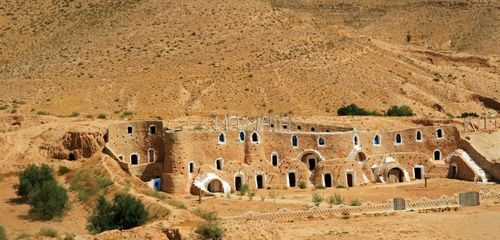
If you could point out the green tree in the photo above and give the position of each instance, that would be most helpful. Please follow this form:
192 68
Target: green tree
32 177
101 218
47 201
210 230
403 110
353 109
128 211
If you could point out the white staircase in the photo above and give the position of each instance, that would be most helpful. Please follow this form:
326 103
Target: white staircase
354 152
365 179
485 177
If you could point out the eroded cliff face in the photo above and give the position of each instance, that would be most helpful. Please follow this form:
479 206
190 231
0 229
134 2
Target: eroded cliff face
74 145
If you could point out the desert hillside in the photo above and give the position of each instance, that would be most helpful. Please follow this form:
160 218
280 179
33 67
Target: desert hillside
176 58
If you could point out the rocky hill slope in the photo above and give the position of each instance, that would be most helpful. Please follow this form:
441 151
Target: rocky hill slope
175 58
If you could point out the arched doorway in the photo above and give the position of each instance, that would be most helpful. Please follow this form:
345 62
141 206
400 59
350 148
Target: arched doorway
361 157
395 175
292 180
311 158
327 178
260 181
238 183
350 179
215 186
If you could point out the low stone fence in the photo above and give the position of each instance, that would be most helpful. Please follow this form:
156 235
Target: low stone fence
391 205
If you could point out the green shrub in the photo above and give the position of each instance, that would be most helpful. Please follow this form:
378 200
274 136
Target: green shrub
396 111
177 204
63 170
74 114
336 199
102 116
86 185
251 194
48 201
354 110
243 190
155 194
317 199
210 230
355 202
126 212
127 114
302 185
3 106
103 182
207 215
13 111
32 177
340 186
320 187
48 232
101 218
68 236
42 113
469 114
3 234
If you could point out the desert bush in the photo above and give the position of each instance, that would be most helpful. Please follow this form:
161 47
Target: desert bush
102 116
3 234
32 177
337 199
68 236
3 106
469 114
355 202
320 187
42 113
251 194
74 114
127 114
47 201
48 232
13 111
87 185
302 185
243 190
207 215
63 170
340 186
317 199
397 111
176 204
354 110
101 218
155 194
126 212
210 230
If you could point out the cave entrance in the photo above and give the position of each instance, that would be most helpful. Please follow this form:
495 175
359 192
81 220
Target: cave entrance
215 186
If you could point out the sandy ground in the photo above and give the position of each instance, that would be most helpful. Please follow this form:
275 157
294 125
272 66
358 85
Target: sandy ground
467 223
14 214
301 199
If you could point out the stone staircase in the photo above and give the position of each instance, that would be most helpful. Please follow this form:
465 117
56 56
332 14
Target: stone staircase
485 177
